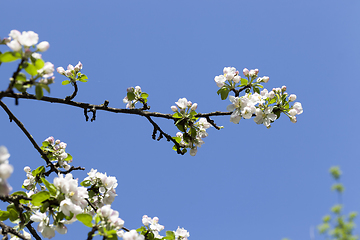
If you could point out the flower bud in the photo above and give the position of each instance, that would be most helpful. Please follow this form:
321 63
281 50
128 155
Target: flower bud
292 112
130 89
256 71
265 79
68 73
27 169
193 151
179 134
137 89
246 72
283 88
271 94
292 97
78 67
174 108
293 119
194 107
43 46
61 70
252 73
189 103
237 79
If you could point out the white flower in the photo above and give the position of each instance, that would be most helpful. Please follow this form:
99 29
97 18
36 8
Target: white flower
182 103
28 39
68 207
220 80
4 155
265 117
14 45
15 34
237 79
43 46
133 235
297 106
36 55
6 170
229 73
47 231
181 232
246 72
194 107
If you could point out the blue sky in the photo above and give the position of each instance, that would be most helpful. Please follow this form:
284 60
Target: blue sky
246 182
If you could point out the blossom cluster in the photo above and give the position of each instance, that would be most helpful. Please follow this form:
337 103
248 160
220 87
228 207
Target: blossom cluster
103 188
56 153
5 171
193 129
133 96
152 225
32 63
25 39
264 105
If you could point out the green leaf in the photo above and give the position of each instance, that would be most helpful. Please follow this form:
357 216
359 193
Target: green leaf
31 69
46 87
256 90
335 172
82 80
21 77
9 56
224 92
39 197
273 100
130 96
86 183
177 115
39 64
39 92
244 82
85 219
177 139
144 95
4 215
170 235
44 207
13 215
141 230
60 216
66 82
193 132
68 158
51 187
39 171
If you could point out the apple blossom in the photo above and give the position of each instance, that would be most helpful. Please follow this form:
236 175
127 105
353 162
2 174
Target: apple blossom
14 45
174 108
43 46
78 67
265 116
297 106
181 233
220 80
292 97
246 72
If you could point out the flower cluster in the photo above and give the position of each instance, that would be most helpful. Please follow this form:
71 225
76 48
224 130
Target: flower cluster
73 73
102 188
32 63
264 105
55 151
5 171
25 39
153 227
133 96
109 219
193 130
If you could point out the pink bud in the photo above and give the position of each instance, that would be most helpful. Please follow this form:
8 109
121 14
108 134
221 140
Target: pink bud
194 107
43 46
189 103
293 119
174 108
265 79
78 67
283 88
292 97
70 67
60 70
246 72
236 79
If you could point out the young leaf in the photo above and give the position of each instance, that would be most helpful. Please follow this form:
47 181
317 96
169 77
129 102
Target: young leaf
39 64
39 92
39 197
9 56
131 96
51 187
68 158
85 219
65 82
244 82
4 215
144 95
31 69
46 87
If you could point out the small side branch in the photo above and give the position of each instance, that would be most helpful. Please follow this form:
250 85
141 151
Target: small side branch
32 230
162 133
73 95
6 229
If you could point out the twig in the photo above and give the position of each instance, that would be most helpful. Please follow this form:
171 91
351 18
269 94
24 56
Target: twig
6 229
